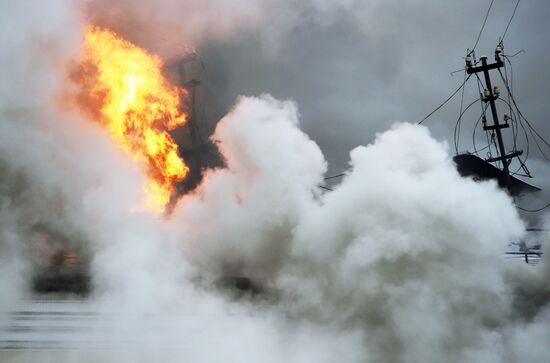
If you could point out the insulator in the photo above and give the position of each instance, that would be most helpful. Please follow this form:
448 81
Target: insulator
498 52
469 61
486 92
496 90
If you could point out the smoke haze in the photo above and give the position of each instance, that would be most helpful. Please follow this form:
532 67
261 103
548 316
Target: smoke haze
400 262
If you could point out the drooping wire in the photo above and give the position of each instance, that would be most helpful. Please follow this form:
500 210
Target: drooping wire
510 87
518 118
527 144
510 83
533 210
520 113
516 53
456 136
476 151
444 102
514 119
331 177
490 136
512 114
538 145
532 130
483 111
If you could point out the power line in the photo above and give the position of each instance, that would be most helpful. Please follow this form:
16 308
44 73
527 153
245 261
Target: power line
444 102
460 117
510 21
533 131
335 176
483 113
456 136
465 80
483 26
516 53
519 118
533 210
538 145
516 120
474 132
325 188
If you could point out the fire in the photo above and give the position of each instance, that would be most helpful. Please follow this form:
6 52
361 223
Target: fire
123 86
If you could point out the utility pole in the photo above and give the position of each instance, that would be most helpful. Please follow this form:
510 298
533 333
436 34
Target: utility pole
490 95
192 156
190 85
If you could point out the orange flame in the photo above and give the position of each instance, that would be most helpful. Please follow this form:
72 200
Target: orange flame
123 86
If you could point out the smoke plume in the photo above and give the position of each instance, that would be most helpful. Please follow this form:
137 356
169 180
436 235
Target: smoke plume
400 262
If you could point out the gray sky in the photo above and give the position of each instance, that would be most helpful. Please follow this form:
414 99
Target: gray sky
354 68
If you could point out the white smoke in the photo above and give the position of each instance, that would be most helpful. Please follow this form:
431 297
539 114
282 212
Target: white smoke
399 249
241 218
401 262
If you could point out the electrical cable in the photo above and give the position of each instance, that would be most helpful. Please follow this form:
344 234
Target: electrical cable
527 144
460 113
521 114
483 25
533 210
444 102
331 177
476 151
335 176
458 70
507 59
531 128
510 21
515 118
516 53
514 122
538 145
509 86
472 51
511 90
458 121
483 113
